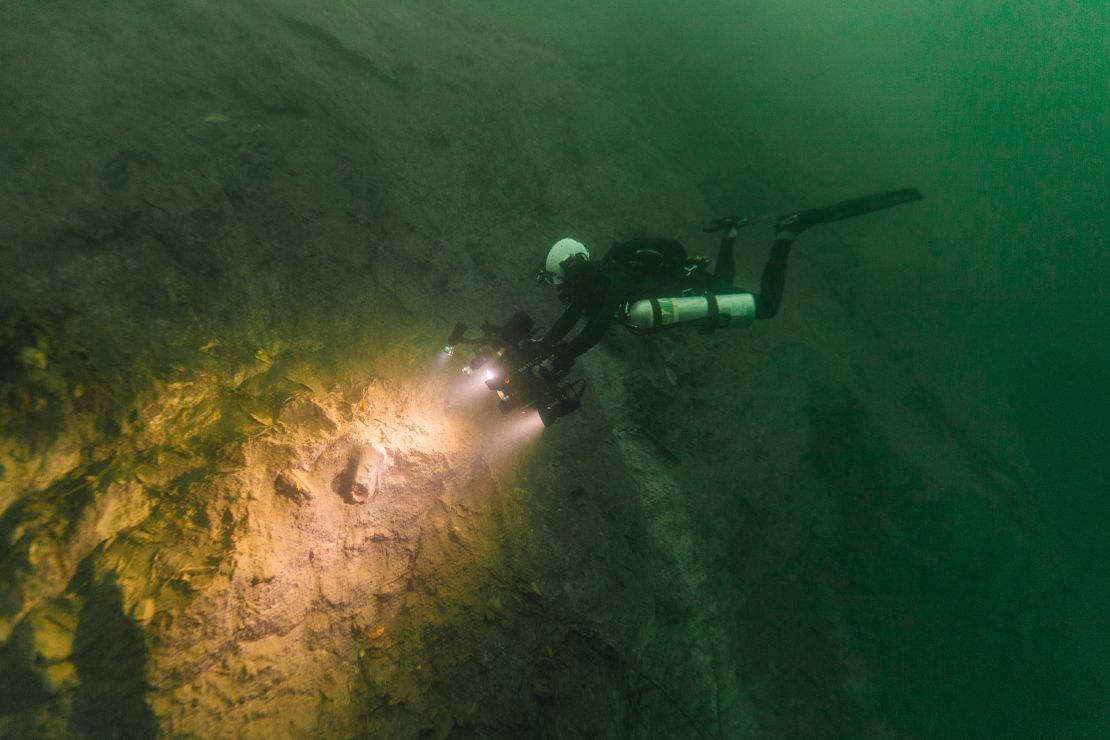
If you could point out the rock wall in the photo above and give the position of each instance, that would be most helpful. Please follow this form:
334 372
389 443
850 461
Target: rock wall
239 496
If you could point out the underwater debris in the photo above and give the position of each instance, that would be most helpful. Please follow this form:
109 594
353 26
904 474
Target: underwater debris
290 485
265 421
216 118
365 473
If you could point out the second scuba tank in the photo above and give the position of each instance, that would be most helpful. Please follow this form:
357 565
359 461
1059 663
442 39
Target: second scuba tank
707 310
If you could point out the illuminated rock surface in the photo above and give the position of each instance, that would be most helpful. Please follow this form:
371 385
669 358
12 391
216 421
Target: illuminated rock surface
239 497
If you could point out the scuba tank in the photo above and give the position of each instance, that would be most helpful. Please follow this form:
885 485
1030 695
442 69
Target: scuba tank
708 310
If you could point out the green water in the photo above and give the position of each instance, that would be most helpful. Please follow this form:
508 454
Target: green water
1011 98
264 180
999 112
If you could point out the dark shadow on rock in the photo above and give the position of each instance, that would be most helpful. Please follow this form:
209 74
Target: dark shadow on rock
110 656
21 691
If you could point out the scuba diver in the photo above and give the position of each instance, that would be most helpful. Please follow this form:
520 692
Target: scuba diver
627 287
629 283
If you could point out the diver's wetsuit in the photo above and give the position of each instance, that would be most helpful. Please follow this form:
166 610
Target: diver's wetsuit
651 268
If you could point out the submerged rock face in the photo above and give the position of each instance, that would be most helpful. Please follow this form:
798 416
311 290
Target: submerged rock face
42 644
238 499
289 484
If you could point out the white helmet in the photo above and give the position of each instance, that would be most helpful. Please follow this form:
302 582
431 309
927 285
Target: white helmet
563 250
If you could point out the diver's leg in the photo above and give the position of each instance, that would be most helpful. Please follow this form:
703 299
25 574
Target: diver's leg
726 268
799 221
774 277
789 226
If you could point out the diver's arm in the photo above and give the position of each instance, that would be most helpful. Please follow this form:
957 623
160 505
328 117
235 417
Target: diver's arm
725 268
563 324
595 328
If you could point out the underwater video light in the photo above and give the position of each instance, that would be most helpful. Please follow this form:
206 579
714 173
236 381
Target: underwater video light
479 359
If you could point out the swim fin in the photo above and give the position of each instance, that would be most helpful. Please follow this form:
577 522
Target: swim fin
799 221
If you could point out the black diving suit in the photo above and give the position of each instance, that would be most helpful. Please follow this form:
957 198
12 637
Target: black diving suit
656 267
647 268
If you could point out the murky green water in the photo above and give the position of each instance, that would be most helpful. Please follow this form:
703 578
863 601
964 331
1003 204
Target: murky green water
880 514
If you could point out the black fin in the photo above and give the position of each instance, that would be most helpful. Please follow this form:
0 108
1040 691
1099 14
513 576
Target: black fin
799 221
